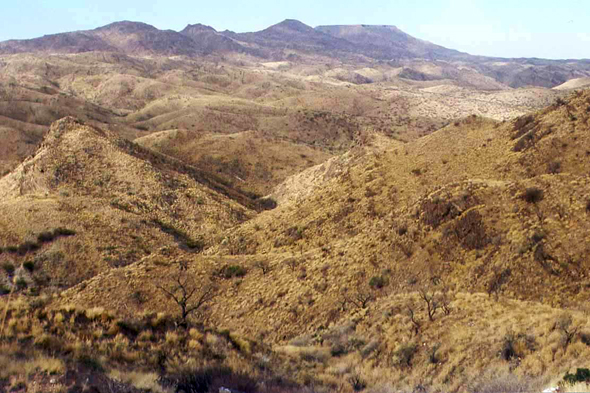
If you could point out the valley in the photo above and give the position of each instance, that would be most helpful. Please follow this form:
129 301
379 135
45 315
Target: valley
341 208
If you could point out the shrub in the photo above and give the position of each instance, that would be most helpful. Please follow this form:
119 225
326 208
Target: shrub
4 290
210 379
378 282
63 232
588 206
581 375
554 167
21 283
231 271
585 337
405 354
357 383
8 268
437 211
267 203
533 195
27 247
470 231
29 265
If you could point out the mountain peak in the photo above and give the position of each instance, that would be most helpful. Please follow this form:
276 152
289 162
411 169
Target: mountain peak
198 27
127 26
291 25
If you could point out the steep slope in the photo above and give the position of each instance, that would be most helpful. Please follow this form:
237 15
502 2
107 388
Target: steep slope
476 216
120 201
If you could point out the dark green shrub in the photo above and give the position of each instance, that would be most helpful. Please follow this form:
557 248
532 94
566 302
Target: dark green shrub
378 282
29 265
210 379
21 283
4 290
585 337
267 203
90 363
533 195
45 237
231 271
27 247
581 375
8 268
63 232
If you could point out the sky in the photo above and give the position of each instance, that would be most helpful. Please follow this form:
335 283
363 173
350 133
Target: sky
555 29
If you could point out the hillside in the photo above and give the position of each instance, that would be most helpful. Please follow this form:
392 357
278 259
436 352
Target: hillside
340 208
331 277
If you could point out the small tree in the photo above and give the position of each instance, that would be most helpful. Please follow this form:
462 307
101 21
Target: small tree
566 325
263 265
189 296
432 302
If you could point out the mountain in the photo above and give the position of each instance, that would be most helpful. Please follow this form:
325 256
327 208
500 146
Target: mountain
136 38
292 35
208 40
389 42
294 40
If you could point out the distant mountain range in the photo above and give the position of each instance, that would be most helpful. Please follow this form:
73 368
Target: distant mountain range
291 39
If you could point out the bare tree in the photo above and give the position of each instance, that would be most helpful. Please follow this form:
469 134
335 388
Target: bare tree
263 265
416 324
189 296
432 302
360 298
566 325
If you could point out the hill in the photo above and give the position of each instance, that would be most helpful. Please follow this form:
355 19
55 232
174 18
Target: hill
452 224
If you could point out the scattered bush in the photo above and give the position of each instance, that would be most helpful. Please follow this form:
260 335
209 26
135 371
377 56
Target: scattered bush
554 167
231 271
357 383
581 375
63 232
4 290
517 345
8 268
470 231
29 265
45 237
267 203
405 353
585 338
27 247
378 282
533 195
21 283
437 211
210 379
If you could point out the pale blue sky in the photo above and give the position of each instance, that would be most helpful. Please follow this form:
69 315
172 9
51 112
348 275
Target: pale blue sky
508 28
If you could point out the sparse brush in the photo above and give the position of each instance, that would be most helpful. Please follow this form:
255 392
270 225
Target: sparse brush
8 268
533 195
